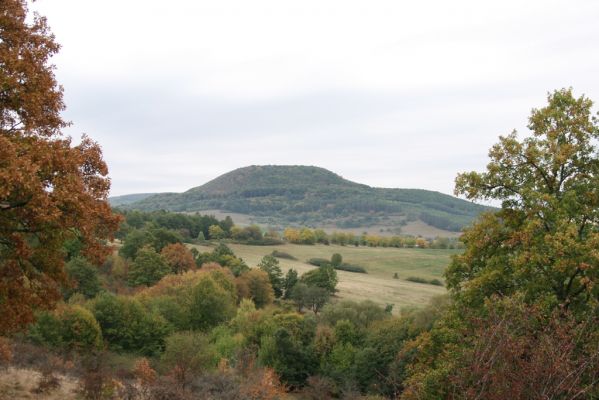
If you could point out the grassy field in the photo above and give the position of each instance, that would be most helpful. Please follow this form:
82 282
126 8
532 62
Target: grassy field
381 263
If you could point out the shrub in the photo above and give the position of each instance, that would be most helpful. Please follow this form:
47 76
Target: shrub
361 314
336 260
48 380
418 279
173 297
186 355
5 351
84 276
210 305
80 330
318 261
292 360
128 326
282 254
70 327
264 242
262 384
351 268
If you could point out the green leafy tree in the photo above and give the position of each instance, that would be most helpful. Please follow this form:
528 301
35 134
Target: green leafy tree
270 265
543 241
163 237
316 298
128 326
293 361
216 232
291 279
226 224
84 277
225 257
81 331
68 327
148 268
134 241
307 236
311 297
361 314
299 295
324 277
537 256
211 304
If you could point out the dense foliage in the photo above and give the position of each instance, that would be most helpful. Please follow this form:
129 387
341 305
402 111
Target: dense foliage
524 321
51 191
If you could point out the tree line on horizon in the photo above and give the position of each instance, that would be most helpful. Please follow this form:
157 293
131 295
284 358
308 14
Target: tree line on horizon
197 228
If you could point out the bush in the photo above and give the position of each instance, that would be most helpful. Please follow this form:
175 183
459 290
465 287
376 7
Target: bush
84 276
361 314
263 242
186 355
80 330
336 260
128 326
418 279
351 268
319 262
69 327
282 254
5 351
211 304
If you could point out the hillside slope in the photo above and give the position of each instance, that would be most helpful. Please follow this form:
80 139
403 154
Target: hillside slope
117 201
306 195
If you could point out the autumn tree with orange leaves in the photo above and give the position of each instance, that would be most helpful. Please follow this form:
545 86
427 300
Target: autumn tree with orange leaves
178 257
51 190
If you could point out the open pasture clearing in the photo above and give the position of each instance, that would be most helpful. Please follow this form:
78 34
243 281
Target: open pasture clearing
381 263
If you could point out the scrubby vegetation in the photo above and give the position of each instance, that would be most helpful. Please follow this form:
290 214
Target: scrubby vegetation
155 320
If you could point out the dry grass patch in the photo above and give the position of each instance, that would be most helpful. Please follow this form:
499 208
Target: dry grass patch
20 383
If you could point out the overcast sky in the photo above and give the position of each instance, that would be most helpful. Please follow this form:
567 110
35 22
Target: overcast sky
386 93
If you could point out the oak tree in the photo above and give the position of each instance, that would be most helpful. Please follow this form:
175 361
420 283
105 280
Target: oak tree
51 190
544 240
178 257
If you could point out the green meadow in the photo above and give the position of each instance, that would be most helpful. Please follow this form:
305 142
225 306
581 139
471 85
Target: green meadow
381 264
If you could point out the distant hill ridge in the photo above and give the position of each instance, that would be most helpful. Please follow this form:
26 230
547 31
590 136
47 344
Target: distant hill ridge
314 196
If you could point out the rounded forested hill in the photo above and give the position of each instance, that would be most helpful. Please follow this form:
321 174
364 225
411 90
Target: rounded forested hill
306 195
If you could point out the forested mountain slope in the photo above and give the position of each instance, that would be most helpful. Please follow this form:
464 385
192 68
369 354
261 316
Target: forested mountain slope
307 195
